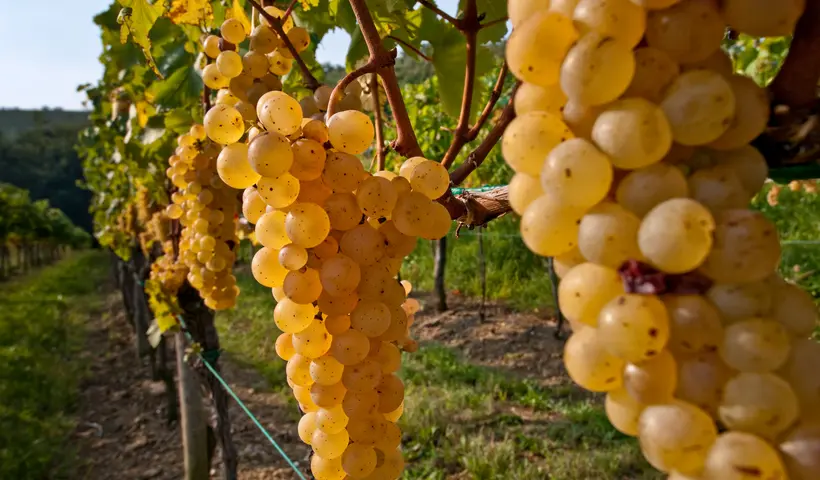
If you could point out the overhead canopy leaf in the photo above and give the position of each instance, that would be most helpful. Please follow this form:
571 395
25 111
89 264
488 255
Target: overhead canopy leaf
136 19
192 12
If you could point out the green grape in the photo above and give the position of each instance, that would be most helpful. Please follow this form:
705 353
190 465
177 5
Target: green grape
761 18
643 189
256 64
759 403
623 411
292 317
229 64
233 166
224 124
718 188
430 179
741 456
307 224
376 196
213 78
676 235
751 114
755 345
266 269
533 98
350 132
233 31
278 192
270 230
634 327
326 370
370 317
633 132
701 380
654 71
652 381
537 47
739 301
343 172
302 286
747 164
676 436
550 228
589 364
689 31
620 19
699 105
308 159
577 172
597 69
608 235
695 325
210 46
746 248
350 347
264 40
358 460
280 113
523 190
363 244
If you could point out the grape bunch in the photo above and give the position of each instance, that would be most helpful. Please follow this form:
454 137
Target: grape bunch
207 211
634 170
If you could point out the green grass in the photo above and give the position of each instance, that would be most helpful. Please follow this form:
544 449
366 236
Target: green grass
463 419
42 318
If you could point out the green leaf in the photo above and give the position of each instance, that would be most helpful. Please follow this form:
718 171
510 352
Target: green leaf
136 20
450 62
342 14
178 120
357 50
183 85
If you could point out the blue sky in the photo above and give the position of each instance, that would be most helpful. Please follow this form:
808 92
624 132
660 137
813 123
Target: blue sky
43 64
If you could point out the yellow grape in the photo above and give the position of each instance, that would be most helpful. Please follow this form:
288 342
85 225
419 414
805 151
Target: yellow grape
326 468
439 222
284 346
759 403
430 179
695 325
718 188
270 154
524 189
391 437
270 230
313 191
700 106
279 64
566 261
689 31
597 69
307 224
343 172
350 131
741 456
411 214
266 269
800 451
362 377
608 235
350 347
794 308
718 62
299 37
359 460
755 345
264 40
360 404
280 113
676 235
233 167
397 244
530 138
747 164
746 248
224 124
701 380
581 118
327 396
306 427
326 370
623 411
248 113
389 357
340 275
343 211
537 47
550 228
633 132
644 188
376 196
292 317
173 211
391 393
577 173
676 436
308 159
233 31
621 19
634 327
328 445
396 414
278 192
293 257
751 114
363 244
298 371
229 64
322 96
210 46
406 168
213 78
370 317
533 98
521 10
652 381
589 364
760 18
739 301
654 71
391 468
303 286
332 420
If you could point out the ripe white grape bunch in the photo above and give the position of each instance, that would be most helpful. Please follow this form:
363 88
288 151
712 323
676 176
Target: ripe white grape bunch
631 151
207 211
334 238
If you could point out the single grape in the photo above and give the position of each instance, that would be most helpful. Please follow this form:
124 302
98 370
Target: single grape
359 460
755 345
652 381
608 235
718 188
332 420
343 172
533 98
747 164
523 190
279 112
292 317
701 380
577 172
654 71
520 11
597 69
695 324
278 192
284 346
623 411
676 436
644 188
581 118
363 244
376 196
585 289
634 327
266 269
530 138
327 396
739 301
741 456
550 228
224 124
676 235
589 364
270 230
350 347
340 275
689 31
213 78
537 47
302 286
326 370
430 179
350 132
799 372
633 132
620 19
759 403
700 105
233 31
210 46
307 224
329 446
751 114
746 248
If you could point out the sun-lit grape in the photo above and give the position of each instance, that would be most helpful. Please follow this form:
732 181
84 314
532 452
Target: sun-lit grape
608 235
530 138
224 124
700 106
589 364
758 403
634 327
280 113
689 31
577 173
676 235
746 248
350 131
742 456
633 132
534 98
676 436
550 228
643 189
597 69
755 345
537 47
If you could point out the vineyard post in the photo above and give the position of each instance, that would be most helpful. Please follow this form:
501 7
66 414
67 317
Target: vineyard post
192 418
438 273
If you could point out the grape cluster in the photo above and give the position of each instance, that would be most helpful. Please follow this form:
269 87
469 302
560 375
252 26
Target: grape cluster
207 211
631 149
808 186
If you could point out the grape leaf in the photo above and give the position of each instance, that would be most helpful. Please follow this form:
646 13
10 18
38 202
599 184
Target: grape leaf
178 120
193 12
183 85
237 11
342 14
357 51
450 62
136 19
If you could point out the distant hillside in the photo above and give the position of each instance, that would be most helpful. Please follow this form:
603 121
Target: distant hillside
13 122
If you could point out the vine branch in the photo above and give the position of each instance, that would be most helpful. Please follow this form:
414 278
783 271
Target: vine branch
381 154
276 25
495 95
289 10
410 47
432 6
477 156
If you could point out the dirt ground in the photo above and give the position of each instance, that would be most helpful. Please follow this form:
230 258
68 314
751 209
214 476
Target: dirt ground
123 432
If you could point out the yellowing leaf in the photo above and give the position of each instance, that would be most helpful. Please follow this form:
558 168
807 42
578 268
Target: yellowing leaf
144 110
193 12
136 19
307 4
237 11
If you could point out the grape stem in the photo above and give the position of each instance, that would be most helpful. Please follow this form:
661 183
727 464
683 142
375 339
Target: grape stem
410 47
289 10
381 154
432 6
276 26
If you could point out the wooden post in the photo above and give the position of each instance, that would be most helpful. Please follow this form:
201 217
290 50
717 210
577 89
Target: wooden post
482 266
554 287
441 263
193 422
